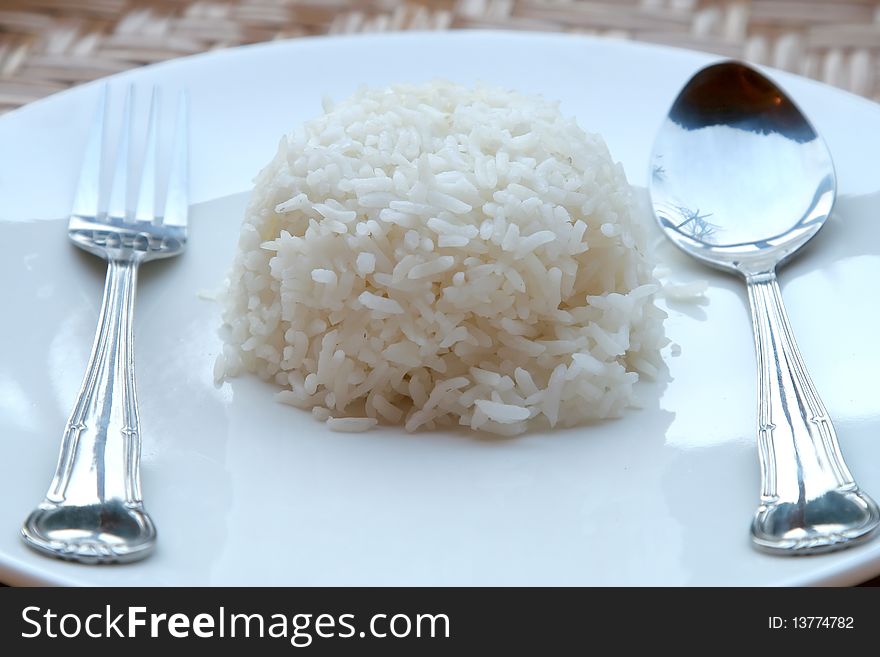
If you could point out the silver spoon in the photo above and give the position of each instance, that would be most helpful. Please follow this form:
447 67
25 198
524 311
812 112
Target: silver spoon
741 180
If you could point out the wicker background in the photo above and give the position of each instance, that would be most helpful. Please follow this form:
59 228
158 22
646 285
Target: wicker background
48 45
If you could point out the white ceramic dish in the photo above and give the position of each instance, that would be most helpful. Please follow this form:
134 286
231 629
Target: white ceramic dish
247 491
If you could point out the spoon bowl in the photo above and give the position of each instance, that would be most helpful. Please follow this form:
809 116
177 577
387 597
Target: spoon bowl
741 180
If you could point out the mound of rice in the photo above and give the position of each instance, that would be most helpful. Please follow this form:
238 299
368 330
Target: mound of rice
440 255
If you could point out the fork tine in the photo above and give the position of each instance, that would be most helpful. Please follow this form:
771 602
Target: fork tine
177 199
146 204
119 188
85 202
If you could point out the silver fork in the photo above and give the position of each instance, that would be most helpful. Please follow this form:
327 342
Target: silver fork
93 512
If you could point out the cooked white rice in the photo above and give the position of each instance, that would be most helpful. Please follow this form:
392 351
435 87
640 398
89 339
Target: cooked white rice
439 255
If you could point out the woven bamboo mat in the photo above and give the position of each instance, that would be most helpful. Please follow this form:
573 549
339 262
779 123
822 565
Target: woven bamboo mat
48 45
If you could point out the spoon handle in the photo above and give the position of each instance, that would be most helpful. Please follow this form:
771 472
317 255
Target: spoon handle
809 500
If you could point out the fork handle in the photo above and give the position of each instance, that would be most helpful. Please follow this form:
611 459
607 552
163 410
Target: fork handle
809 499
100 450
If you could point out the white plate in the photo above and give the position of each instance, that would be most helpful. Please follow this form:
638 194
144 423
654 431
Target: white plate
246 491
